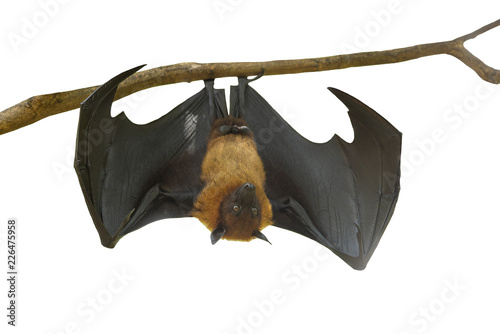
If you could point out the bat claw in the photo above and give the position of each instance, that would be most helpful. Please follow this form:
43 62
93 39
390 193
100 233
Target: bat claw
258 76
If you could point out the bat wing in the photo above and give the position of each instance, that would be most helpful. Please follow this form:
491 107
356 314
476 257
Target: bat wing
132 175
339 194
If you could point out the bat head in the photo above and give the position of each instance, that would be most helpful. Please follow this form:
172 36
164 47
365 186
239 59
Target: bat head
241 215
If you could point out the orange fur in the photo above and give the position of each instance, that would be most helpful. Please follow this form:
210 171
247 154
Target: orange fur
231 160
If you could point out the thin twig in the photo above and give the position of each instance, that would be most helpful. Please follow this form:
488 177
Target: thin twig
41 106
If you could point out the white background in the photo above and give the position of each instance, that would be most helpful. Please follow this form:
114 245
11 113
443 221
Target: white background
436 268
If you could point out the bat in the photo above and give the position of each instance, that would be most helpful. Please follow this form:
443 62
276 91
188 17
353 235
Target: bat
199 160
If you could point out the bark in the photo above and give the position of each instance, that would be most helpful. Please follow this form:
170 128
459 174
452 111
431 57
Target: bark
41 106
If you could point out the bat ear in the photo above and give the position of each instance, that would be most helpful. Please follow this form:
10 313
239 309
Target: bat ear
217 234
259 235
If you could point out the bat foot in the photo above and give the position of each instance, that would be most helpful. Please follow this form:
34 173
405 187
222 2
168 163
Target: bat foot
258 76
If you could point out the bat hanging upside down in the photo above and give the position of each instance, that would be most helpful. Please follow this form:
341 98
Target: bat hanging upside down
238 173
233 203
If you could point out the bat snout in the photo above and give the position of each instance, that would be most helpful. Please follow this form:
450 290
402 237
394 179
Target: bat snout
246 194
249 186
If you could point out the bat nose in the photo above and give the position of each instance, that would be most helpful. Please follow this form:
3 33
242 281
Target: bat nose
249 186
246 193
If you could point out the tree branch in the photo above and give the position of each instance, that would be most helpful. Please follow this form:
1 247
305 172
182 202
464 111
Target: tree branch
41 106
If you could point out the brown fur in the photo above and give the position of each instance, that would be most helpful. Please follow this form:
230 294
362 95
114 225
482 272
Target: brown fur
231 160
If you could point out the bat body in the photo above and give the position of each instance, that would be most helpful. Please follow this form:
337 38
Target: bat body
200 161
233 200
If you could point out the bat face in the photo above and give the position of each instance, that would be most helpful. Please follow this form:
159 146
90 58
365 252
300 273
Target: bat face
240 213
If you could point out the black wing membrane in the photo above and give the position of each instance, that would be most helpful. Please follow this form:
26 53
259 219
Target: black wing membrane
339 194
132 175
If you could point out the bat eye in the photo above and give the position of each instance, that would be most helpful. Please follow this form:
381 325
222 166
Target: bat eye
255 211
236 208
